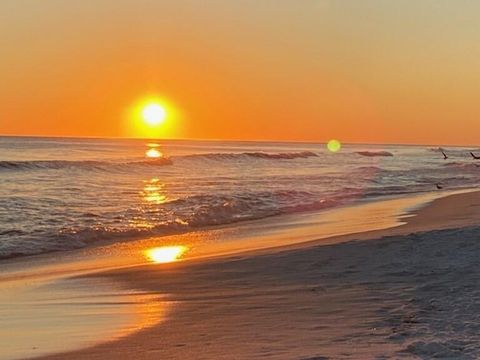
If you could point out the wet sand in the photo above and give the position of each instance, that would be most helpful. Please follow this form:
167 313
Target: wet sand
408 291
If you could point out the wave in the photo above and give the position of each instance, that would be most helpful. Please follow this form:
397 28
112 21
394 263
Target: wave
177 216
106 165
257 155
462 165
152 162
369 169
374 153
437 149
211 210
84 164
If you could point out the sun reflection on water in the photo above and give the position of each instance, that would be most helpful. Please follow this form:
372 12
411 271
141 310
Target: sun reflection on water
153 192
153 153
165 254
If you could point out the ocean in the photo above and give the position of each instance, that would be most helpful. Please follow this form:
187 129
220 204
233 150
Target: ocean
60 194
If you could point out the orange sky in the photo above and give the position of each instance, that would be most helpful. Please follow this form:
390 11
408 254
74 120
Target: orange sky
361 71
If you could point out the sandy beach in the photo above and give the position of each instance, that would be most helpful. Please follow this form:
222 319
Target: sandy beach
233 180
406 292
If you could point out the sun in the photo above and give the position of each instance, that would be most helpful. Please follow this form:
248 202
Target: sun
154 114
152 117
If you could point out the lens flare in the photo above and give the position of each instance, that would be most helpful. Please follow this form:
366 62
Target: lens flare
165 254
334 145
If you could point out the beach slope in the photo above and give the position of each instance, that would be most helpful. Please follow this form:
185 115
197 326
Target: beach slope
412 291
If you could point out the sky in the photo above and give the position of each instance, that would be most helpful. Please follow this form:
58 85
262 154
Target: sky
370 71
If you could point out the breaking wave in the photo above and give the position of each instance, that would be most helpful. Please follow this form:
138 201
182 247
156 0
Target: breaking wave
107 165
176 216
85 164
257 155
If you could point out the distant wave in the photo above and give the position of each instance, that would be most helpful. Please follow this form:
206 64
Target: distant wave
374 153
462 165
150 162
437 149
84 164
258 155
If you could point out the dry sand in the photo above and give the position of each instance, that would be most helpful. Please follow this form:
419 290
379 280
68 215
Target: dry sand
414 291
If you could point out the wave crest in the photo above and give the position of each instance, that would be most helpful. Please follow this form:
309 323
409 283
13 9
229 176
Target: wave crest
257 155
462 165
83 164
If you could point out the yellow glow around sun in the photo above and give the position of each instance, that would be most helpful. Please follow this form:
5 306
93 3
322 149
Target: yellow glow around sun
154 114
165 254
152 117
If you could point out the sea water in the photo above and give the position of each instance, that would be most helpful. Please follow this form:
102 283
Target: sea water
66 193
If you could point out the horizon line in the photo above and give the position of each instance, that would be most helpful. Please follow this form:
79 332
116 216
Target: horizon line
228 140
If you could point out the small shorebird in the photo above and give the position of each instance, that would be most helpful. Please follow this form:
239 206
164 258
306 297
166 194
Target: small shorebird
445 157
475 156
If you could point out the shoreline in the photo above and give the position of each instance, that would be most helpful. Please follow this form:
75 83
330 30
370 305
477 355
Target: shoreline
238 239
238 289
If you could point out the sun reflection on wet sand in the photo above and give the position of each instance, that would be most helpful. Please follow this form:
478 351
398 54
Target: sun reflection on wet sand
165 254
68 309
